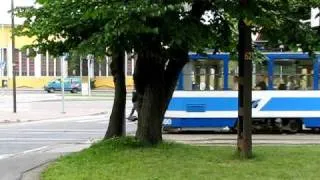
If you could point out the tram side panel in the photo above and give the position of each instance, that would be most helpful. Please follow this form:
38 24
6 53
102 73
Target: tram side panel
286 110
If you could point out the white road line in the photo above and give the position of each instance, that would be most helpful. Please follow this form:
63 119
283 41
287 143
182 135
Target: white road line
92 120
104 122
56 120
2 130
49 133
4 156
34 142
41 139
34 150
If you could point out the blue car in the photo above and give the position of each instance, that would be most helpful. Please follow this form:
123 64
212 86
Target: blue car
70 84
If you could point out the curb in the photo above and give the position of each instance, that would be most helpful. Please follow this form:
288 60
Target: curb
34 173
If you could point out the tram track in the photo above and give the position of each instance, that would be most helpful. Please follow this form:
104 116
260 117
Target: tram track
258 139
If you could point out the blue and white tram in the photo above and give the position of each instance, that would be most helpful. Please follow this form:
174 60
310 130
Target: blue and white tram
205 99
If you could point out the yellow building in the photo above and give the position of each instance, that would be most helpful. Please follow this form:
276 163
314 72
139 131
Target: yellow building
35 72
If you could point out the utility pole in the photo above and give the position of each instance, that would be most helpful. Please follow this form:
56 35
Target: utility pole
13 57
62 61
89 59
245 55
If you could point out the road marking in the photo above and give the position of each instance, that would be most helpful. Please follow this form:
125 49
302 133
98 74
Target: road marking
103 122
49 133
19 131
4 156
41 139
55 120
91 120
34 150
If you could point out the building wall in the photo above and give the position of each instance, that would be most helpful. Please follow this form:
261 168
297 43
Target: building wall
35 72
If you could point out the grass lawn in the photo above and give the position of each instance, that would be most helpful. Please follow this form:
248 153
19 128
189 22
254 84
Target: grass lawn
126 159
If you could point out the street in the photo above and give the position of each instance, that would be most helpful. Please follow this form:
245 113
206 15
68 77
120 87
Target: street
49 139
40 132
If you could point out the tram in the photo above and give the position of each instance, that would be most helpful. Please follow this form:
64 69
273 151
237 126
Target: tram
286 94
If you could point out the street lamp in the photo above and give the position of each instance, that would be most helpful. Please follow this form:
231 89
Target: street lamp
13 56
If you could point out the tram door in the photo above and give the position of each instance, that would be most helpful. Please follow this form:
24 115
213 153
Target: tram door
207 75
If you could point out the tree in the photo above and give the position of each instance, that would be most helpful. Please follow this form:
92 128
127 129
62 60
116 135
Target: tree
69 26
162 33
162 55
279 21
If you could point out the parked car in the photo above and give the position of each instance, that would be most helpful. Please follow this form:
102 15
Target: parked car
70 84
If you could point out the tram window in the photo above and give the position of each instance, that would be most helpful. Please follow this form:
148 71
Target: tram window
203 75
233 75
293 75
259 76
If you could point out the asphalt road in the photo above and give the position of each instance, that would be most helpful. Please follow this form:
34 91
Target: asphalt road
24 145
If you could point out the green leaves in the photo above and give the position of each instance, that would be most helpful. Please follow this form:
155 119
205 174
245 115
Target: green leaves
89 26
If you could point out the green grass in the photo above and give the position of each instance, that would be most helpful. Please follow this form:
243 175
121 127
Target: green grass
126 159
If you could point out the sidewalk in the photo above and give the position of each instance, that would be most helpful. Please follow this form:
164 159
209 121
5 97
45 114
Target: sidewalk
41 89
35 111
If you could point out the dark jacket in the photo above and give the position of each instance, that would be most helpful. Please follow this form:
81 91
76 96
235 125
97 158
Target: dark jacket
134 96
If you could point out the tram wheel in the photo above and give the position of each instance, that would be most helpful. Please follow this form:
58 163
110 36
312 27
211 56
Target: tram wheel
294 126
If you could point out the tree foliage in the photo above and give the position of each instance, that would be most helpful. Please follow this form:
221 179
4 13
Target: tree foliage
162 32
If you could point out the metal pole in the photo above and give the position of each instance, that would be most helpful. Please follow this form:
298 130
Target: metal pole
2 53
126 63
81 68
62 82
107 66
13 65
89 74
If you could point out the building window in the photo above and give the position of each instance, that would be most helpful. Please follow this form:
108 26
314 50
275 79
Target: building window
103 67
58 67
3 65
31 66
24 65
51 66
16 63
84 67
43 65
96 68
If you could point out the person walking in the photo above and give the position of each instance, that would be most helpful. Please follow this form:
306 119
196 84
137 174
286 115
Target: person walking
135 106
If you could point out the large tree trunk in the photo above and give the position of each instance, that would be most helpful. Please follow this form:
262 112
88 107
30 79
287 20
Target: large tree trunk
155 84
149 80
150 116
245 88
116 126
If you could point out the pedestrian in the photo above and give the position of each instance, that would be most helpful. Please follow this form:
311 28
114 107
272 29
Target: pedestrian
135 106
